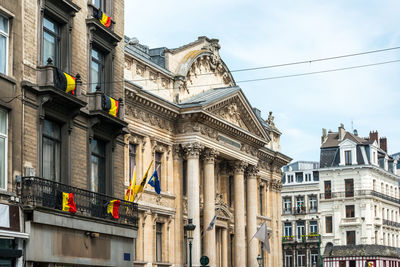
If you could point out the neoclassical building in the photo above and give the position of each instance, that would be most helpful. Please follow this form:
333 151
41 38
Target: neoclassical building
215 154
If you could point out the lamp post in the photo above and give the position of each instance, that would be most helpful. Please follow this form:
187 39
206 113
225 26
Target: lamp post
259 260
189 228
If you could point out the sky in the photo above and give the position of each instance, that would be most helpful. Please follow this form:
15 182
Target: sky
256 33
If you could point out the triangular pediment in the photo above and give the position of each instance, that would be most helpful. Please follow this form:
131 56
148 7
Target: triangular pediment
236 110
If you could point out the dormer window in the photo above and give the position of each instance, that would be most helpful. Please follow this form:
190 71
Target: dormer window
347 155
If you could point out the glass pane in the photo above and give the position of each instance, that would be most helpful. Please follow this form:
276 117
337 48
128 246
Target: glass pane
95 75
95 54
52 129
2 162
3 122
94 177
3 24
3 54
48 159
96 3
98 147
50 25
49 47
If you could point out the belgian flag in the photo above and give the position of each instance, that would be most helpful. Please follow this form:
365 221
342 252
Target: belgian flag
68 203
64 81
113 208
110 105
103 18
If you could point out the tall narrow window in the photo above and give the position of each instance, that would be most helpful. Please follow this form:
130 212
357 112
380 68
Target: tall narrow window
231 191
288 230
159 242
51 41
97 70
349 187
3 44
261 200
313 203
3 149
184 173
51 151
158 165
327 187
132 160
287 205
347 156
328 224
100 4
351 237
313 227
301 230
98 170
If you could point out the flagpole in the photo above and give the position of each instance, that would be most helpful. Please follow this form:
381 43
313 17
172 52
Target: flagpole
145 187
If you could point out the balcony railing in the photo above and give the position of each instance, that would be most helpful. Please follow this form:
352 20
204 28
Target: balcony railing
289 238
46 194
356 193
391 223
299 210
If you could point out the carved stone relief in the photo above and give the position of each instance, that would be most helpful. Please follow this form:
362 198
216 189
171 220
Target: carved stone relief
231 113
152 119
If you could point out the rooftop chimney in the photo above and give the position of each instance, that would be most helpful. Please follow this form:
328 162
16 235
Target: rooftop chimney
383 143
324 136
373 136
355 132
341 132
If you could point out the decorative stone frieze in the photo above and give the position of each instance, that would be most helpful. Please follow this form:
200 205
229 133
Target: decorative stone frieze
192 150
152 119
249 149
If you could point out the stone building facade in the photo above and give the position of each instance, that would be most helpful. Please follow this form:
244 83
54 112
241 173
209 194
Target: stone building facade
58 142
217 157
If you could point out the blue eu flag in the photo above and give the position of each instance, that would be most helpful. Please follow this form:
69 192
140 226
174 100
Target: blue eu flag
155 182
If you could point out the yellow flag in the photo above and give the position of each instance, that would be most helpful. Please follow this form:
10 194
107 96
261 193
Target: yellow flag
140 188
129 192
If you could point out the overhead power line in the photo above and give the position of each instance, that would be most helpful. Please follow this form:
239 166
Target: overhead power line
279 65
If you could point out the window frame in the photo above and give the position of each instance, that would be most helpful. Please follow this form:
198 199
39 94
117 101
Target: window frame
101 73
57 37
158 159
287 200
5 137
7 37
54 140
261 200
350 237
132 156
159 242
349 187
328 189
313 226
288 229
350 211
105 165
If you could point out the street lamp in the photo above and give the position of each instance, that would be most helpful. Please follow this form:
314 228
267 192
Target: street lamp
259 260
189 228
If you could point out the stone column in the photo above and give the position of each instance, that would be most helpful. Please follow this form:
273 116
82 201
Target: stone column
177 181
209 205
251 217
240 239
224 248
193 178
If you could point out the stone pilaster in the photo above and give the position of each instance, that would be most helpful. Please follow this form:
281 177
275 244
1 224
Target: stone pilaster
240 238
251 177
209 204
192 152
224 248
178 176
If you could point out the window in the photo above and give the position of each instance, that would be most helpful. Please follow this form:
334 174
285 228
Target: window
313 203
98 171
308 177
99 4
300 228
288 259
287 205
261 199
51 151
301 259
347 156
300 207
3 148
97 70
314 257
158 165
51 41
349 211
184 178
159 242
290 178
3 44
299 177
327 186
313 227
328 224
288 229
349 187
342 263
132 160
351 237
231 191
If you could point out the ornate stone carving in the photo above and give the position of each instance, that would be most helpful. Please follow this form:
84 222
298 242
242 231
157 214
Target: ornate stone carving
251 171
249 149
177 152
192 150
209 155
239 166
231 113
276 185
140 70
195 127
151 119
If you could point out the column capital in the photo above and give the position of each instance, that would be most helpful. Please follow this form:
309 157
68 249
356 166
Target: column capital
177 152
239 166
209 155
252 171
192 150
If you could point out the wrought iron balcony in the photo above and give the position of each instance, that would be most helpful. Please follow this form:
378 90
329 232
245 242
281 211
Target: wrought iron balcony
357 193
299 210
288 239
391 223
39 193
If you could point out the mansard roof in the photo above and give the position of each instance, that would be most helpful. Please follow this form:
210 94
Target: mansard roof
333 139
361 251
